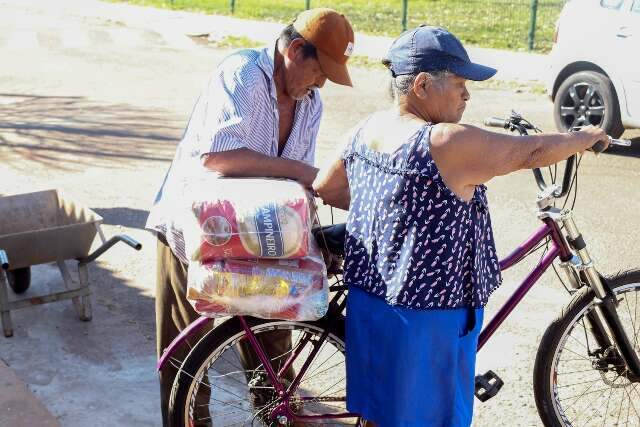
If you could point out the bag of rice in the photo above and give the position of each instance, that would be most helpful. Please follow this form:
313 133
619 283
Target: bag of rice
248 218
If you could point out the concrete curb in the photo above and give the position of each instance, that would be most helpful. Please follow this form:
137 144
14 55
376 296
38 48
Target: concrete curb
18 406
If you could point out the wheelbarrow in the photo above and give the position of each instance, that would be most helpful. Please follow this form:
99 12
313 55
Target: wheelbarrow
43 227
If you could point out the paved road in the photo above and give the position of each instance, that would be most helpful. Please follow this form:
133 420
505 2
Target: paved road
96 108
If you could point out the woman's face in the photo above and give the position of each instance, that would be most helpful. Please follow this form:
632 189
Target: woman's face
446 98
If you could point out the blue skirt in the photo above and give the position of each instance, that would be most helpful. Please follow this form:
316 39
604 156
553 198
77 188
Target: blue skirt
409 367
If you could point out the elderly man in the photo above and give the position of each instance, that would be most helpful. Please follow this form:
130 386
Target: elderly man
258 117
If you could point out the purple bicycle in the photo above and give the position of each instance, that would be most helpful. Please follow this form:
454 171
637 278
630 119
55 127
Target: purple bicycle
587 369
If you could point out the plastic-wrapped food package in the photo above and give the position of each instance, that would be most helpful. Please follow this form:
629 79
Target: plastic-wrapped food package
295 289
248 218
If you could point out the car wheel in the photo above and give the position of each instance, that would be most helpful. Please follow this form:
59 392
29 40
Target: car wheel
588 98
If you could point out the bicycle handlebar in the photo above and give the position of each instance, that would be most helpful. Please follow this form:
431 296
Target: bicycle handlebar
496 122
516 122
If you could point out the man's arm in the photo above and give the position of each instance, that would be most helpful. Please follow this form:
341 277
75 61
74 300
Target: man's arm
232 117
244 162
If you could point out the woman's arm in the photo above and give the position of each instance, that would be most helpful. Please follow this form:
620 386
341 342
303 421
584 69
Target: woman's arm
332 185
467 155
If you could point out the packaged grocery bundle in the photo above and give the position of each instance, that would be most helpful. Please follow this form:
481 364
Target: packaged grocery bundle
295 289
247 218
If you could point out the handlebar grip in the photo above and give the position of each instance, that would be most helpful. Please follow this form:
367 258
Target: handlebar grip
598 147
4 260
496 122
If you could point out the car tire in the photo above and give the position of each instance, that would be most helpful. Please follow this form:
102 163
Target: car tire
585 98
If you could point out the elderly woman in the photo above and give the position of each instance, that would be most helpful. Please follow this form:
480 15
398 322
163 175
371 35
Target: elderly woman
420 259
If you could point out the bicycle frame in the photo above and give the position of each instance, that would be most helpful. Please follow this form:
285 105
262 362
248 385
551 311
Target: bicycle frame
283 409
559 248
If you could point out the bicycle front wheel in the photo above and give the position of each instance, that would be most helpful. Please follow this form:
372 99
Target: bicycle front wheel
580 379
215 387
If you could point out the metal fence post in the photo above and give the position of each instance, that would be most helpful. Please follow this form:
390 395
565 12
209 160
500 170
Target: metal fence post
307 4
233 6
405 6
532 24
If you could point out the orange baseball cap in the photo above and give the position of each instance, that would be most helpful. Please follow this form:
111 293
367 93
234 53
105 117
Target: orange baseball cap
331 33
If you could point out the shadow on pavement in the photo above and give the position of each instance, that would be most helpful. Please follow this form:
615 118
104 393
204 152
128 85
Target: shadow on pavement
71 133
127 217
109 359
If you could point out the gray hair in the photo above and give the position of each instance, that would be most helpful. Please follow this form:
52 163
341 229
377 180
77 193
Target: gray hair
401 85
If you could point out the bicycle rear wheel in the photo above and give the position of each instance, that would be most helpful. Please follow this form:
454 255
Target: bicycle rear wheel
578 381
213 370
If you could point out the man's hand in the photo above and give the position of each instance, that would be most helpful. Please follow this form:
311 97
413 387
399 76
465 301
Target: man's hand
307 175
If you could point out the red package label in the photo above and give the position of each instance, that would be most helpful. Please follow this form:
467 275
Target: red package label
267 231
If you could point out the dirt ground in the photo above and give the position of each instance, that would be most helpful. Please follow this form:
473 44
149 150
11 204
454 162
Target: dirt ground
101 122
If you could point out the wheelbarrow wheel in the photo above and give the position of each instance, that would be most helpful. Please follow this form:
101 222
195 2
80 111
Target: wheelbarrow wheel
19 279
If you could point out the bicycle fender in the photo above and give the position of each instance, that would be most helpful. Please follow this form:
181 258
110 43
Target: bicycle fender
180 339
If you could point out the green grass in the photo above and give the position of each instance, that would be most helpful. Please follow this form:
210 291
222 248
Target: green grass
500 24
230 42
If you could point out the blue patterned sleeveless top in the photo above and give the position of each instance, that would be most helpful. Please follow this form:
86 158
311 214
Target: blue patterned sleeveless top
410 239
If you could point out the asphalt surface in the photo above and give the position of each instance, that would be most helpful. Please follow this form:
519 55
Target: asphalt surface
96 108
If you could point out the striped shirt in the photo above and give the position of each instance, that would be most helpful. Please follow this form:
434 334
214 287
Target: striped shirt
237 109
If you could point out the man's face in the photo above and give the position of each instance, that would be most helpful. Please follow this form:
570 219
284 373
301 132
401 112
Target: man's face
302 75
447 99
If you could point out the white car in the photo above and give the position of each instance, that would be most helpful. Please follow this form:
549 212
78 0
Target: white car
595 65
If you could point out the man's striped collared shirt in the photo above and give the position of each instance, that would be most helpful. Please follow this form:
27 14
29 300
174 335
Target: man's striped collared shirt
237 109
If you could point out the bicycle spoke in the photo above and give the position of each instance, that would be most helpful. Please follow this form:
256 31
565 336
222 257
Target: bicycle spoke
580 383
589 405
600 390
635 316
200 382
628 407
586 335
576 340
620 411
633 324
578 372
325 361
606 410
633 387
582 357
327 390
329 368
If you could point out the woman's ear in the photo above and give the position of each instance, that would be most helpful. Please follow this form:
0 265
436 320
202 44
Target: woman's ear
421 85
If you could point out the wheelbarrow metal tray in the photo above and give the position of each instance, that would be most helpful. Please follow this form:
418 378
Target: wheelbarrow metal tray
43 227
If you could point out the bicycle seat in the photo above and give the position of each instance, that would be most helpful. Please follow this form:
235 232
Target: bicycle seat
332 237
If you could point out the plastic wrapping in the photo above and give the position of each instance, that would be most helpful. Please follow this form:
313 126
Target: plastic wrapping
295 289
248 218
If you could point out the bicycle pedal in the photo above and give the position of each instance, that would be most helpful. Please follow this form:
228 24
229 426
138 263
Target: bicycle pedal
487 386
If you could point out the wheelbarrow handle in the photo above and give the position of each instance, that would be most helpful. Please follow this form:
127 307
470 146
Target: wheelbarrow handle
108 244
4 260
130 241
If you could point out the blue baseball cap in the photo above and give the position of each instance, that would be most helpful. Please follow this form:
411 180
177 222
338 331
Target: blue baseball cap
431 49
